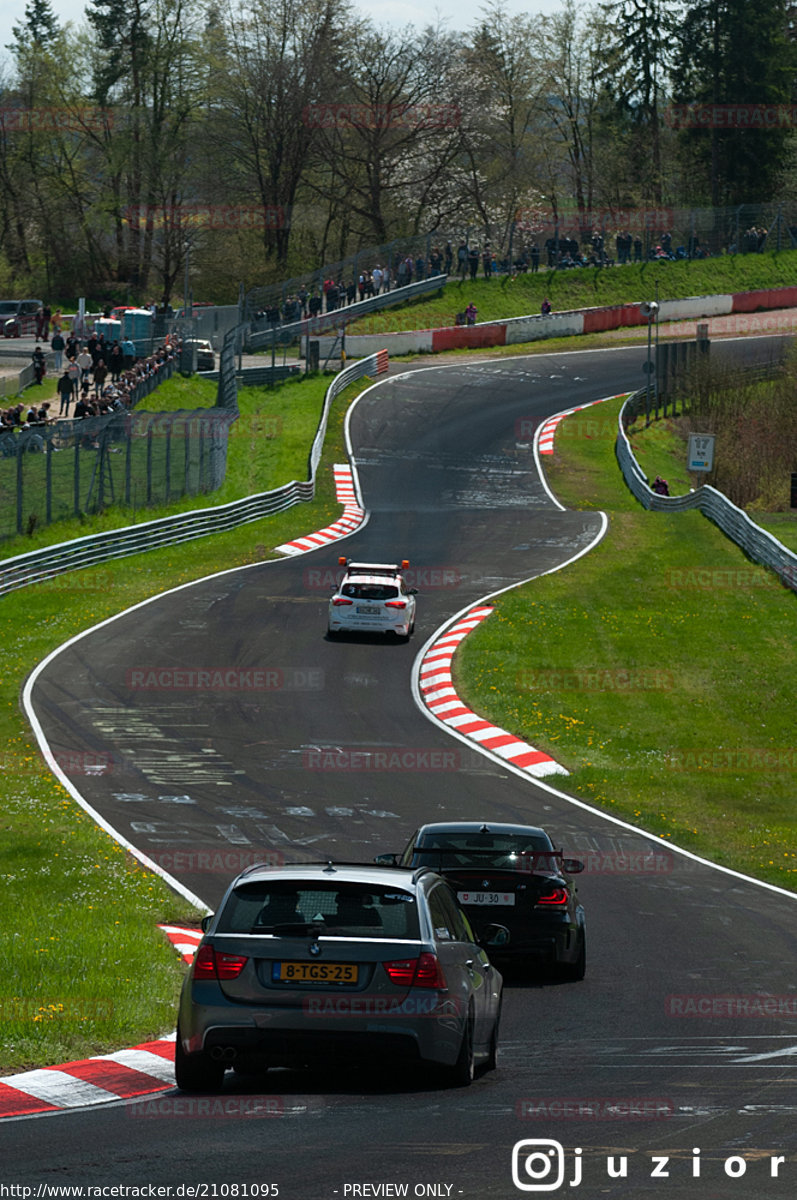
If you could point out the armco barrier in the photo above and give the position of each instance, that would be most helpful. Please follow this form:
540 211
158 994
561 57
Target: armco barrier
756 542
345 315
44 564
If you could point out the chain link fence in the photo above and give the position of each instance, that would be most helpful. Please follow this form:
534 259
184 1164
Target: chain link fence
135 459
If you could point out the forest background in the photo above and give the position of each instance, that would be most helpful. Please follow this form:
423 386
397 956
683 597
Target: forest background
267 138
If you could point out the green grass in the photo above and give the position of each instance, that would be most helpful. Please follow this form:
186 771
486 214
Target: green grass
658 669
504 296
269 447
782 525
79 928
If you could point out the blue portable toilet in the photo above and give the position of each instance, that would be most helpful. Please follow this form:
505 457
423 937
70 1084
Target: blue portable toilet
137 324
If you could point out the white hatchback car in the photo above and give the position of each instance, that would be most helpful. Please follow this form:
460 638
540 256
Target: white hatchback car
372 598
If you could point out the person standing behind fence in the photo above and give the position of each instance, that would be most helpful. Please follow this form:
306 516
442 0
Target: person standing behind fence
100 375
128 353
116 362
39 364
85 362
58 345
73 371
64 393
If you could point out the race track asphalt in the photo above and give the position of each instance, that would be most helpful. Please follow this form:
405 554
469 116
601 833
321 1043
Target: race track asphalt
204 780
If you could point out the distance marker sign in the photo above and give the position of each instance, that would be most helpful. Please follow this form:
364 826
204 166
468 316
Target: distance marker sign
700 456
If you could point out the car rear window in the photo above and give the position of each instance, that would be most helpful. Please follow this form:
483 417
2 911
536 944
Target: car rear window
510 852
339 909
370 591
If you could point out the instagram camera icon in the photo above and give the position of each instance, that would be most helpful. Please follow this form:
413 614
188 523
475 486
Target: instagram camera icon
534 1161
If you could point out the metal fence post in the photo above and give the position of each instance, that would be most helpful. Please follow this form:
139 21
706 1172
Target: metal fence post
19 486
168 470
48 449
76 474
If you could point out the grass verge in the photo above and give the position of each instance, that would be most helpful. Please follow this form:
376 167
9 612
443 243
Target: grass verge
89 970
506 296
658 669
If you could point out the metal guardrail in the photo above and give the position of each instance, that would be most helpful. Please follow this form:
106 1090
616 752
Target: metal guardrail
39 565
760 545
345 315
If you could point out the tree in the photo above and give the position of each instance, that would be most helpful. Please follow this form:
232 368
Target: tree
733 53
636 73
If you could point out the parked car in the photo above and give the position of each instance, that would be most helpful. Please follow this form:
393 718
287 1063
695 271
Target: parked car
19 317
511 874
372 598
205 358
333 964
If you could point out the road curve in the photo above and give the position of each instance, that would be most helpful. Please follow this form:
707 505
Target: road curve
447 474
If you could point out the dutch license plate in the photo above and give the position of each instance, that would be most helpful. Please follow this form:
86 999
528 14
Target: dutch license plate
313 972
487 898
369 610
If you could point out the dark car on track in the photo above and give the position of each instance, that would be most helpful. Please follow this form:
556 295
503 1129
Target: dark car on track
335 964
510 876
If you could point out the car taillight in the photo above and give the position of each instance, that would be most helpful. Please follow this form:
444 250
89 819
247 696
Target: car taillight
210 965
395 604
417 972
557 895
338 600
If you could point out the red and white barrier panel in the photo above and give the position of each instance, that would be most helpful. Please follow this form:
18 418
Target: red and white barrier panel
440 697
352 517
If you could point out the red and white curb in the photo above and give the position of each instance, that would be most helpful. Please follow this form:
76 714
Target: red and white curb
352 517
546 438
184 940
439 695
138 1071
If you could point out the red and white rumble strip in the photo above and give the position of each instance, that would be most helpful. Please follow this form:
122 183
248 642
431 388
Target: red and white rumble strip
138 1071
546 438
184 940
352 516
438 694
134 1072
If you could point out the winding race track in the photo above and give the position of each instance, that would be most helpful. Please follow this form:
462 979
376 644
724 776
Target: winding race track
313 748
